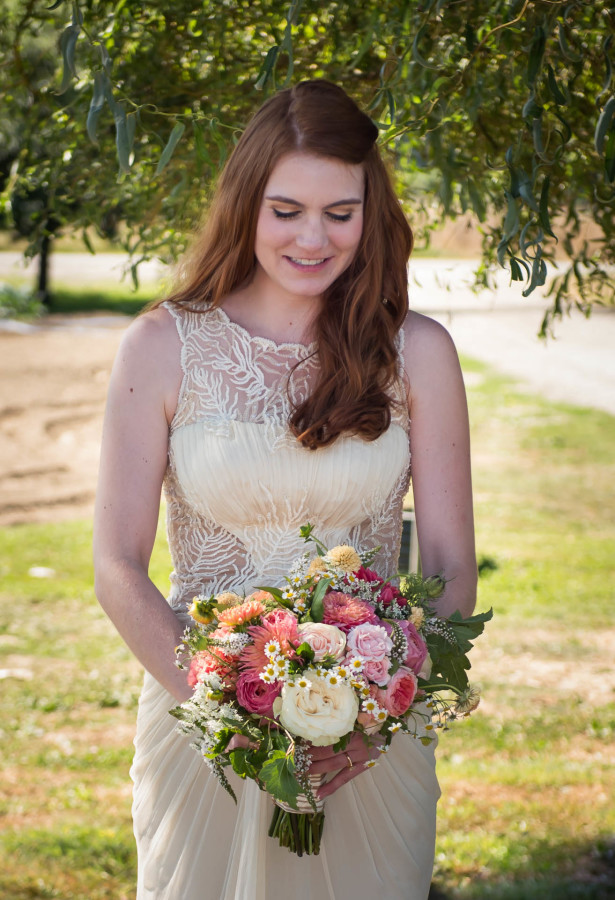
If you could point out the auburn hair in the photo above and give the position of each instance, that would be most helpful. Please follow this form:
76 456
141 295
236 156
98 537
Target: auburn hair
365 307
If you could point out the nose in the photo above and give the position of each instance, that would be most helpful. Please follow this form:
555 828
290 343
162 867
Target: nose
311 234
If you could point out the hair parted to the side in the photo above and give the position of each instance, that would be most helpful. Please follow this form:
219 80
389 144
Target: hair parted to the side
364 308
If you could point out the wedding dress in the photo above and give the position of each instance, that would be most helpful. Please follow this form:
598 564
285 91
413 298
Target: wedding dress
238 488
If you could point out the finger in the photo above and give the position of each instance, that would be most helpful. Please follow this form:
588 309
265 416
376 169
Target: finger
341 779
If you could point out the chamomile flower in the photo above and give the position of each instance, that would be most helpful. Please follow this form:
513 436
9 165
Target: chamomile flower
370 706
356 663
381 715
267 677
288 594
384 748
272 648
343 672
371 764
395 727
333 677
303 682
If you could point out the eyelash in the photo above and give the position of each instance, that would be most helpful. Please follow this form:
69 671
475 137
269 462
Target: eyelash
291 215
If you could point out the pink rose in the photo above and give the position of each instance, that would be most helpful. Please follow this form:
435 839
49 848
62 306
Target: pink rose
345 611
325 640
370 641
377 670
255 695
400 692
417 648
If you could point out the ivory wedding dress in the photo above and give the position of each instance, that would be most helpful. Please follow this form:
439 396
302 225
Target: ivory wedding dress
238 488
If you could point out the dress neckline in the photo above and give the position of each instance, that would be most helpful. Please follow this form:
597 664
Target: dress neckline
258 339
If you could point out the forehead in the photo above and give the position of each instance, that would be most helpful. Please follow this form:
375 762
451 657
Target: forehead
307 177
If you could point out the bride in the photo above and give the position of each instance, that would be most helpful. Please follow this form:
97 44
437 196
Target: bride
283 381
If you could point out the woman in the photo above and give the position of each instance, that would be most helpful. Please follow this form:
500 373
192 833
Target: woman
273 388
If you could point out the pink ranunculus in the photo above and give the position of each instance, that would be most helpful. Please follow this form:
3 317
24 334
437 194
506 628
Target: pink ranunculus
370 641
257 696
346 611
325 640
417 648
378 670
400 692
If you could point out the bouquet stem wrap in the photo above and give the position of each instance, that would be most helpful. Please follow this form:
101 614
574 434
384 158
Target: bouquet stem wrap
300 829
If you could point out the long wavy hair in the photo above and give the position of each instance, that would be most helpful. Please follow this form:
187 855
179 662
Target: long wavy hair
365 306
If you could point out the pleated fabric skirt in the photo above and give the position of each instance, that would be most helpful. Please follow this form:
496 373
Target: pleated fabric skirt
194 843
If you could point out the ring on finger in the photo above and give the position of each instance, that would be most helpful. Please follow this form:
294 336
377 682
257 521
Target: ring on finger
350 762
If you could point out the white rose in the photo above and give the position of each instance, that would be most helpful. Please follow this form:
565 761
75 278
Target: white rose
322 713
325 640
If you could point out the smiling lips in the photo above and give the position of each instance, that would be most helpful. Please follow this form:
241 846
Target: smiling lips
313 264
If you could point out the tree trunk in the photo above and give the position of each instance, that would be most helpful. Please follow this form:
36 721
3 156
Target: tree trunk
42 291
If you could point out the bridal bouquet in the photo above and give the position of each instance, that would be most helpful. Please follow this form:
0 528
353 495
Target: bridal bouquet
336 651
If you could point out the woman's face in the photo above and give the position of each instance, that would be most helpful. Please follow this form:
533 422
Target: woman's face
310 223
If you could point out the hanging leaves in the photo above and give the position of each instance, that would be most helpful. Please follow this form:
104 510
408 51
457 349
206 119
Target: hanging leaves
174 139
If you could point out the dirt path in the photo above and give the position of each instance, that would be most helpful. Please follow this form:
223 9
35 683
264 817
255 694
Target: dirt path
54 383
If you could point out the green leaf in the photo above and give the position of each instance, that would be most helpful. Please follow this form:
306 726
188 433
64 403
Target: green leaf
267 68
609 161
167 153
96 105
318 608
278 778
603 124
275 592
242 763
556 92
416 54
564 46
68 43
305 651
608 75
122 138
539 275
536 52
544 208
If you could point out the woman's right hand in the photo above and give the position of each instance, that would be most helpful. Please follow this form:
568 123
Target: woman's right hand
347 764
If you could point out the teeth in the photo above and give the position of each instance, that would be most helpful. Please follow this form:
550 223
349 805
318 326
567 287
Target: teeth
307 262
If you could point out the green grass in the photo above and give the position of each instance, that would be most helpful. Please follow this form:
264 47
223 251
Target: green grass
528 781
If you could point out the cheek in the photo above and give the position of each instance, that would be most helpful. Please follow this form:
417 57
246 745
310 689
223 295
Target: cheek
351 237
271 233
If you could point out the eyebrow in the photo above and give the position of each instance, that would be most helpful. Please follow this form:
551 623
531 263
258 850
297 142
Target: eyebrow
351 201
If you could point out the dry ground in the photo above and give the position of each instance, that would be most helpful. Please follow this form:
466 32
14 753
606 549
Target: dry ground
54 383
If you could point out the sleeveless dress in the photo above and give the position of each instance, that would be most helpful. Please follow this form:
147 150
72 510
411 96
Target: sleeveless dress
238 487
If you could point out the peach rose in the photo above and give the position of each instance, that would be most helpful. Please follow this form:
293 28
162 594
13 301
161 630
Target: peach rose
325 640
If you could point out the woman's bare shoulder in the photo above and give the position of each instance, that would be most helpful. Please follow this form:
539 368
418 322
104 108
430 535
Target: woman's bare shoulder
152 332
429 350
150 356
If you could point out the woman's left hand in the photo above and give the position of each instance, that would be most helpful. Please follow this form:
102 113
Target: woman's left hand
324 760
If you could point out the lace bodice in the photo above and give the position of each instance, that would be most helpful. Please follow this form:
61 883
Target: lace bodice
239 486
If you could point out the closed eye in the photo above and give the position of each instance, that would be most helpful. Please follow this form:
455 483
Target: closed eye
334 217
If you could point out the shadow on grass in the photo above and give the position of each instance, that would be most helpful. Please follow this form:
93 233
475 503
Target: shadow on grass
116 299
583 871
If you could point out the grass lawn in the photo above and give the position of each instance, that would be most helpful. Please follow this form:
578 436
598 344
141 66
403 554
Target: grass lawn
528 783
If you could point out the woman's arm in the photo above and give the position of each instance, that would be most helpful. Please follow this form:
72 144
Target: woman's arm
142 395
440 444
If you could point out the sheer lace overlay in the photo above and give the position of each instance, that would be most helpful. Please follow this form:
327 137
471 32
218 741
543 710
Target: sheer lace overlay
239 486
